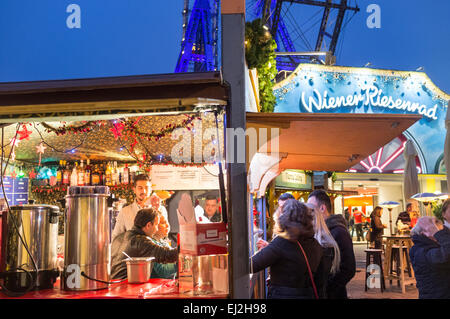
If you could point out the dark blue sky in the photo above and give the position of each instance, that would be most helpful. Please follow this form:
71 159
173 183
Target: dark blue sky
119 37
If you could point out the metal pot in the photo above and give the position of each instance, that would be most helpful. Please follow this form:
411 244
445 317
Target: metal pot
38 226
139 269
87 239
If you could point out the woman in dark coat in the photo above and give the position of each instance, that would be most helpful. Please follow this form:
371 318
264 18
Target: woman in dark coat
430 258
376 227
289 275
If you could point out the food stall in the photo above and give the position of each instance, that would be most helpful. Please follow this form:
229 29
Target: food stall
80 143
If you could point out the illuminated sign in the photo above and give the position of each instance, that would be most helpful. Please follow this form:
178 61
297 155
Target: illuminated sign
313 88
293 178
370 94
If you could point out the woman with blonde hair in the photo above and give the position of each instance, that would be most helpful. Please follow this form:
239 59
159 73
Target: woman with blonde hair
331 258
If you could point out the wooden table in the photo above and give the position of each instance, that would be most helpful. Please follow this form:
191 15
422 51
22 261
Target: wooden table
401 241
122 290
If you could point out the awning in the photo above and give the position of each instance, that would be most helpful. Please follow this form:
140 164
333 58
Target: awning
320 141
100 97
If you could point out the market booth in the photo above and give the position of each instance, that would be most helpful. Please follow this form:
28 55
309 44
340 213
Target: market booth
108 130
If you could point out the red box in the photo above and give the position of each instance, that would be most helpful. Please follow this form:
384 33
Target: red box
203 239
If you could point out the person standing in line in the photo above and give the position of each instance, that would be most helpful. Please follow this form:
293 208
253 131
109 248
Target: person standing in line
377 227
336 285
331 258
430 258
358 215
281 200
289 274
446 213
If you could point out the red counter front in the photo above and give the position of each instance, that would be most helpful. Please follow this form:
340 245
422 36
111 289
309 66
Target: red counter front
163 289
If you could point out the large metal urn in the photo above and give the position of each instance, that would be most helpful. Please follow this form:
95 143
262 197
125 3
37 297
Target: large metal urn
87 239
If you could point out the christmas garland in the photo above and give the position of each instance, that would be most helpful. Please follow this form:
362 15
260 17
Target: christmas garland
260 54
84 128
131 128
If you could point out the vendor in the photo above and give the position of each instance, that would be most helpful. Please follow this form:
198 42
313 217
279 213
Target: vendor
125 219
211 213
138 242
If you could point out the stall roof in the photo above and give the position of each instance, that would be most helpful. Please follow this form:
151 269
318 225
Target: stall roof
329 142
101 97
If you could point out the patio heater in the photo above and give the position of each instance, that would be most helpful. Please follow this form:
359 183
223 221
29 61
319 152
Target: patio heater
390 205
427 198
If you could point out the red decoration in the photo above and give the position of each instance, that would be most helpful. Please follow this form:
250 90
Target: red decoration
117 129
32 174
24 133
14 174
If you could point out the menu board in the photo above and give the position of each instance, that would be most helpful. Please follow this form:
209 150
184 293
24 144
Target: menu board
16 190
168 177
293 178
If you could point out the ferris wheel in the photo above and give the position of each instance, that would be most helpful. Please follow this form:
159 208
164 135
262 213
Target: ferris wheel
299 28
304 28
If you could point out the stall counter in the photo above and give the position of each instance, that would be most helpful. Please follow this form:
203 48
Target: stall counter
163 289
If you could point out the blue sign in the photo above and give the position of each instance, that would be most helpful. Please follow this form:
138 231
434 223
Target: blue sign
7 185
68 39
21 185
16 190
315 88
20 199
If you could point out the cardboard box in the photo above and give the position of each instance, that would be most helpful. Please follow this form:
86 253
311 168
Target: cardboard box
199 239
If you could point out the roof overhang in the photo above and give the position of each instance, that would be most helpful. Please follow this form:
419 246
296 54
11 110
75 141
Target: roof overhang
320 141
101 97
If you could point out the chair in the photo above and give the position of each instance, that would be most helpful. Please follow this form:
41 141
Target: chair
373 257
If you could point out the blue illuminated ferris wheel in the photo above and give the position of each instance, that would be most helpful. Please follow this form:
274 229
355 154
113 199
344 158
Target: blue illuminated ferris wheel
199 45
299 27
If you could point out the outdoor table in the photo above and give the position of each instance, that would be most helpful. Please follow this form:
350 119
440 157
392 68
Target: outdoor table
124 290
402 241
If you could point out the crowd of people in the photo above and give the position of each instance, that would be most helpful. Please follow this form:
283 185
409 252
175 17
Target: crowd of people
310 255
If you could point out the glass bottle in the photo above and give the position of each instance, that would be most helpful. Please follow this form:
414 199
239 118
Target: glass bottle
126 175
95 175
74 175
87 173
81 174
66 174
59 173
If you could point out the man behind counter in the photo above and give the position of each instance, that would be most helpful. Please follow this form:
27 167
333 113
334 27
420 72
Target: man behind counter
125 219
137 242
211 209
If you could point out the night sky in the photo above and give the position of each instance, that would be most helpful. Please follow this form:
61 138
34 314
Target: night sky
119 37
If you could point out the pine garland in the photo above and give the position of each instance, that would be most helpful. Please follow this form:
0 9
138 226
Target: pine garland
260 54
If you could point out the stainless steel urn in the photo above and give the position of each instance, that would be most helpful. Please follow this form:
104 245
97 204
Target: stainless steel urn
87 239
38 227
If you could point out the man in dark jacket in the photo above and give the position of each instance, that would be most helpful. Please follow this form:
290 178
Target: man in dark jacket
137 242
336 288
430 258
